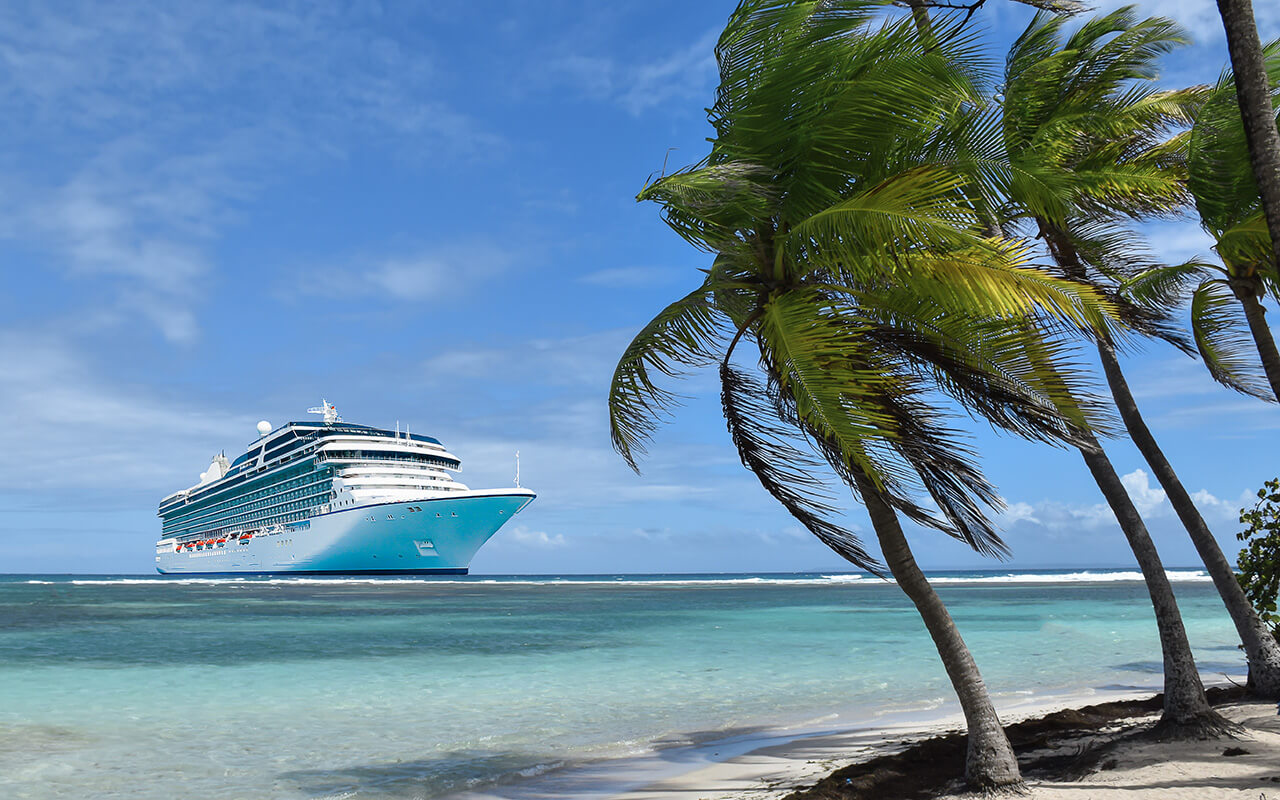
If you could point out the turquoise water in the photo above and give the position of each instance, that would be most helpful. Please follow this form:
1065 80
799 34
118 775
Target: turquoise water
403 688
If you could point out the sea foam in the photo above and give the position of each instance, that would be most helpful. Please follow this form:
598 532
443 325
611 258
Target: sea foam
1085 576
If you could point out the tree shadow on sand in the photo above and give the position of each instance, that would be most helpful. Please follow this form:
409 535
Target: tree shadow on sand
1057 746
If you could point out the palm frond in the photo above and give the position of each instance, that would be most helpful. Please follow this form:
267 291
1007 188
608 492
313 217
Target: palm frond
1065 7
1246 246
710 205
976 284
867 414
1165 286
1109 257
1220 175
684 335
1008 372
786 471
1222 337
915 209
1081 109
823 91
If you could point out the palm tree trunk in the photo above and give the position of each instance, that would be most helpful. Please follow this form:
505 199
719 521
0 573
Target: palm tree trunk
1253 90
1246 291
1260 646
989 762
1186 709
924 26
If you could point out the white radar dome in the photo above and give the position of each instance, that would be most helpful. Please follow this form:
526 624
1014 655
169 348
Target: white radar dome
264 428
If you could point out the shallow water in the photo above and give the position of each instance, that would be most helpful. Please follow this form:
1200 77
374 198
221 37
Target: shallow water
404 688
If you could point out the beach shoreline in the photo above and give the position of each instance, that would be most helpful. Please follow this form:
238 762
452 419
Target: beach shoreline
769 764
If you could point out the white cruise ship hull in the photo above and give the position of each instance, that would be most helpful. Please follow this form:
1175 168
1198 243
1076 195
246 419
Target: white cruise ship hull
433 534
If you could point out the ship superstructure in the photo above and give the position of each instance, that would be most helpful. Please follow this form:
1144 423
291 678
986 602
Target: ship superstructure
332 497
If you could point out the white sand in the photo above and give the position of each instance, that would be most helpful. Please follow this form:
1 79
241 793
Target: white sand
1188 770
1141 771
768 766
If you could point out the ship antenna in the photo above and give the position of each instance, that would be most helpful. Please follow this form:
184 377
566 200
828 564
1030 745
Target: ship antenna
517 469
329 411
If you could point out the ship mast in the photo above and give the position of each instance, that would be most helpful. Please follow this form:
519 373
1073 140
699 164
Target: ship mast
329 411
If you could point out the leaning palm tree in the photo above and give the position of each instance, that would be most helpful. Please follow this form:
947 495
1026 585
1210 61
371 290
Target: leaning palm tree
1257 109
1080 144
1230 206
858 275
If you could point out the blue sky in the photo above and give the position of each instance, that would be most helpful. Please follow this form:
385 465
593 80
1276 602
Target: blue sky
213 213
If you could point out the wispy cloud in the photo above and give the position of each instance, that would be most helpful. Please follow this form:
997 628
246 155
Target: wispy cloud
135 221
326 70
681 74
1200 17
148 127
74 428
539 539
586 360
420 274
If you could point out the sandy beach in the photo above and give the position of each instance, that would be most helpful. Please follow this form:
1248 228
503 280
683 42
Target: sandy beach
1111 759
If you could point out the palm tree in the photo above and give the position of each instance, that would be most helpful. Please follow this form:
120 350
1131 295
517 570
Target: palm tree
1256 108
1086 145
1231 209
858 272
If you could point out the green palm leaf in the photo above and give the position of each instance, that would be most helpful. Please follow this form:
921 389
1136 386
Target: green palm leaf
869 415
1222 337
785 469
684 335
1220 173
1167 285
1245 247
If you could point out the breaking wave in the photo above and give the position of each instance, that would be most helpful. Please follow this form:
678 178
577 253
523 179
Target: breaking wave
813 579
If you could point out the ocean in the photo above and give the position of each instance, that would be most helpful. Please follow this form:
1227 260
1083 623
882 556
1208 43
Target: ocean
149 687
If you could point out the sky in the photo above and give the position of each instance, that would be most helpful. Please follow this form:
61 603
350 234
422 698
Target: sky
213 213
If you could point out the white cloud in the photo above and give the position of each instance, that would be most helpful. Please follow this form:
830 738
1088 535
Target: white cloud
145 128
432 272
1247 416
586 360
686 73
135 223
72 428
1200 17
539 539
1016 512
321 69
1151 501
1145 497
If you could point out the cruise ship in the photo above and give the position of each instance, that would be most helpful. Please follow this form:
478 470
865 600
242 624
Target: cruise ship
333 498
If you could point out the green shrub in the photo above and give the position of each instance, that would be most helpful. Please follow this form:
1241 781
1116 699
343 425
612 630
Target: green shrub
1258 564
